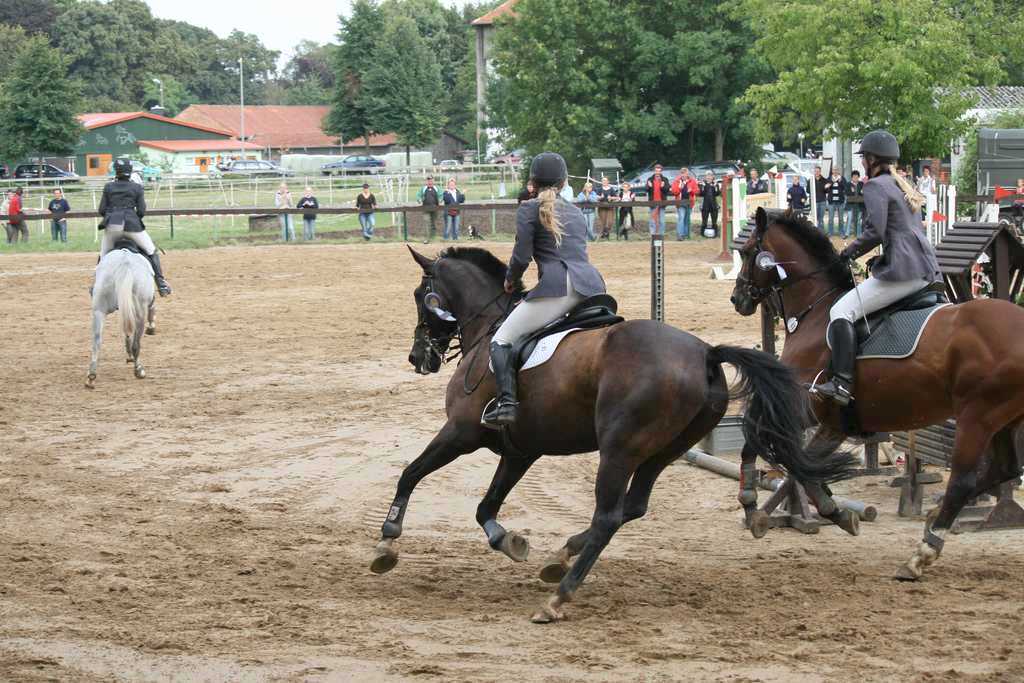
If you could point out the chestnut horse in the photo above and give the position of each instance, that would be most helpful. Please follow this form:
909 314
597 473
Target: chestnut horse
640 392
969 364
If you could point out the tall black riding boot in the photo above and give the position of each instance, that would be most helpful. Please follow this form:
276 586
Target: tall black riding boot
503 411
158 273
843 338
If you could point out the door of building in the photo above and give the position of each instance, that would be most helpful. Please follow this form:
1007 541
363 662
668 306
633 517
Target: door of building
203 163
98 164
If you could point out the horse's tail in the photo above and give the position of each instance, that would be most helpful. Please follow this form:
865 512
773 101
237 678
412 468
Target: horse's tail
776 414
124 285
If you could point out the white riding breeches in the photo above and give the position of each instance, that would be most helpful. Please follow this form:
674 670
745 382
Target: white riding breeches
530 316
872 295
141 239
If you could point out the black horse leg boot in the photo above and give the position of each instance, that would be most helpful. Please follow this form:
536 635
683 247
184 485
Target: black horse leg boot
503 411
843 338
158 273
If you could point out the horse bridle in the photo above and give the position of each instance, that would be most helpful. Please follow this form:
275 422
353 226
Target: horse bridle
764 294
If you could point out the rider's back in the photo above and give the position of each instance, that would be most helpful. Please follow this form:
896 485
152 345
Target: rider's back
908 255
129 197
535 241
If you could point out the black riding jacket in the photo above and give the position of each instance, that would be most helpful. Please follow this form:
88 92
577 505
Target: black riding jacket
123 201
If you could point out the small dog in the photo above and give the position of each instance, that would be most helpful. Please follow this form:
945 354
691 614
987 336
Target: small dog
474 234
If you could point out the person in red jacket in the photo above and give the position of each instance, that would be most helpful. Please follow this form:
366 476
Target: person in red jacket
684 187
16 222
658 190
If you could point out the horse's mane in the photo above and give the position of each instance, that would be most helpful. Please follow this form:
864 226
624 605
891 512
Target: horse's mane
491 265
816 242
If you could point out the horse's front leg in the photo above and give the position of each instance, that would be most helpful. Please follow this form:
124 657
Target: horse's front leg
508 474
97 342
151 318
136 349
442 450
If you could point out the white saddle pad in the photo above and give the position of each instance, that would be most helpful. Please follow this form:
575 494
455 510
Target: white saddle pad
544 350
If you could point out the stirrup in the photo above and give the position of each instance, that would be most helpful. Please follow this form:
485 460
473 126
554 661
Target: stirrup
163 288
498 414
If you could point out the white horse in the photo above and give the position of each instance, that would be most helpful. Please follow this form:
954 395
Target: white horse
124 281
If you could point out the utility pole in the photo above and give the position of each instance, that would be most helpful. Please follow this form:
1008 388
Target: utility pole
241 108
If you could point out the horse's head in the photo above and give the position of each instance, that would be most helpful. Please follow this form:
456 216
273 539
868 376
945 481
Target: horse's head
775 258
435 325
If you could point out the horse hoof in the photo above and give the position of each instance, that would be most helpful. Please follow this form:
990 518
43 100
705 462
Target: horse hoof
849 522
129 360
385 559
554 571
760 523
905 573
90 381
140 373
151 330
549 613
516 547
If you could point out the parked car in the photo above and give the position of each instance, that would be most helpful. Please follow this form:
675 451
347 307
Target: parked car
511 158
719 168
354 163
148 173
248 168
449 163
45 172
4 171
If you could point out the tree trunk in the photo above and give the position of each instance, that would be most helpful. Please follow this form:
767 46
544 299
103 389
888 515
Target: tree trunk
690 157
719 143
366 139
408 156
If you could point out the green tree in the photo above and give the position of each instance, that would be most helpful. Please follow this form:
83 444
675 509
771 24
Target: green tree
38 104
35 16
12 38
259 64
357 41
175 95
897 64
403 92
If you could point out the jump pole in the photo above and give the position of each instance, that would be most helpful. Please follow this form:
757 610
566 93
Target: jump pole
727 192
866 513
658 277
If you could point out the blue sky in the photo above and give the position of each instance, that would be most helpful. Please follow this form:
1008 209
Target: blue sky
280 25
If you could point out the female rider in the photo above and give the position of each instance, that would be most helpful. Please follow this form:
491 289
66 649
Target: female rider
552 232
122 207
892 209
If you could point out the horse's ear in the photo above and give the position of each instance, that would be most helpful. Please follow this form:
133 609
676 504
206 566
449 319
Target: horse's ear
426 263
761 219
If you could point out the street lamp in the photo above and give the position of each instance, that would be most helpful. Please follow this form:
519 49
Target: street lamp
801 136
161 84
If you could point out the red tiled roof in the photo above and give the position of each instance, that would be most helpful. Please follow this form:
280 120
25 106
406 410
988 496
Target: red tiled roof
504 9
197 145
277 126
100 119
375 141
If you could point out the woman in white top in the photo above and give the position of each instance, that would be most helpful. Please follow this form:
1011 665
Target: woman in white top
283 200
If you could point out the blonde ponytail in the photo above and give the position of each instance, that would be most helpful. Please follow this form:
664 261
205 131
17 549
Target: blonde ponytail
914 198
548 218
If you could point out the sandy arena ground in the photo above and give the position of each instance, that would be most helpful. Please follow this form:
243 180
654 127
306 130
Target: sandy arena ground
215 521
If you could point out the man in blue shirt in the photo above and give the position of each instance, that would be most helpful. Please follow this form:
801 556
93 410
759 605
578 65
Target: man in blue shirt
796 197
58 224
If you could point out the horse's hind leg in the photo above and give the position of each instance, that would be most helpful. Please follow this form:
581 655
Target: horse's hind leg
136 349
612 477
972 437
97 342
508 474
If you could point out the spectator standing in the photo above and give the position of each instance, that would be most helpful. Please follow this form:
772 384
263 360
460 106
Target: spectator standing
16 222
835 195
528 193
453 197
854 210
566 192
796 197
756 184
283 200
1018 202
626 212
685 189
819 197
429 197
658 190
709 193
58 224
4 208
926 186
308 201
587 194
366 203
606 215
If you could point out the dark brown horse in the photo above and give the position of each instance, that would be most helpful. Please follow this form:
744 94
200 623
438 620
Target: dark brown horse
640 392
969 365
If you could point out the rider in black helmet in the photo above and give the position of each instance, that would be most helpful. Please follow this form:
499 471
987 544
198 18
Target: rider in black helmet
122 207
892 218
552 232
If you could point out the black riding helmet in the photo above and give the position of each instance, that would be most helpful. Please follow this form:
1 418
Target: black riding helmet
548 168
882 144
123 168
